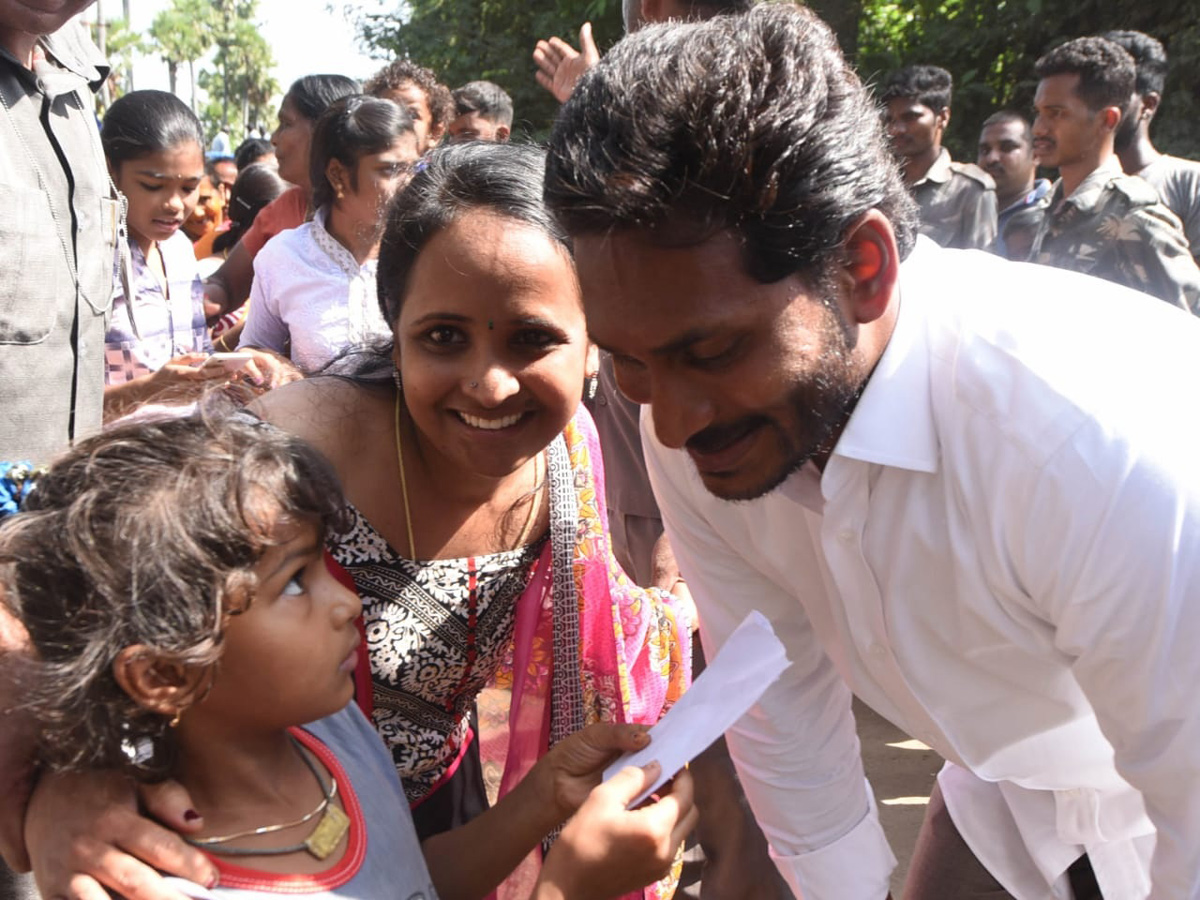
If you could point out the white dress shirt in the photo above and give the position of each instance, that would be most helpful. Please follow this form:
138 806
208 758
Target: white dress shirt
310 298
1002 557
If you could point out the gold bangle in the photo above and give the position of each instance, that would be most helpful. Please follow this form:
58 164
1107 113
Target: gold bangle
220 342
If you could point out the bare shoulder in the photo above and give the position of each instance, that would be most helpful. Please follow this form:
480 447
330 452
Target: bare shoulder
330 413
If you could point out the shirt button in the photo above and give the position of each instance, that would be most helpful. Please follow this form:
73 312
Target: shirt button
602 400
846 536
877 651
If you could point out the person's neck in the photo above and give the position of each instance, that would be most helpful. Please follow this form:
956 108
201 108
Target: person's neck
239 780
20 44
1004 201
360 238
915 167
1139 154
1074 174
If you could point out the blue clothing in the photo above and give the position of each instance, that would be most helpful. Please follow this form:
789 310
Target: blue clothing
382 859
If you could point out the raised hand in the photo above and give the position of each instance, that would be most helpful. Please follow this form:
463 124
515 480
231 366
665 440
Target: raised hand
560 65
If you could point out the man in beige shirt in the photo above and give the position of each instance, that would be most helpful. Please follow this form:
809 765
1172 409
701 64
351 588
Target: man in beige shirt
957 200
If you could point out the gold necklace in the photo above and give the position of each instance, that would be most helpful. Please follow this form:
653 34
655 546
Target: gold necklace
324 839
534 507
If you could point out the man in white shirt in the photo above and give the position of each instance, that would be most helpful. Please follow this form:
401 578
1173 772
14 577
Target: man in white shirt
968 491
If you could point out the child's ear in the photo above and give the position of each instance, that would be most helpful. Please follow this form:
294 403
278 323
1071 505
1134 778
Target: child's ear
164 686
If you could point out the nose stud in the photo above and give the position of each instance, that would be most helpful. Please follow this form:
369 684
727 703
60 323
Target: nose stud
473 384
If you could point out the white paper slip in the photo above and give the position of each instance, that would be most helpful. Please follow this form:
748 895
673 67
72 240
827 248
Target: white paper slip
751 660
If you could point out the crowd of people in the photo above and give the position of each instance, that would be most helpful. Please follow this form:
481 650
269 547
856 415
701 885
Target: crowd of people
368 484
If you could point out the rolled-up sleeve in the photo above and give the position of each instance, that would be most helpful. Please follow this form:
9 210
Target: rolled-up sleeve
796 751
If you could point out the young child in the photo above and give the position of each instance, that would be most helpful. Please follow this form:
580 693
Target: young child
157 339
418 90
172 580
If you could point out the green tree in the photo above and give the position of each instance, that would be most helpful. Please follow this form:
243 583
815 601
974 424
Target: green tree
465 40
990 46
238 82
182 34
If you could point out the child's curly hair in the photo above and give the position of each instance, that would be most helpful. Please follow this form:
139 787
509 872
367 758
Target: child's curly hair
397 74
146 534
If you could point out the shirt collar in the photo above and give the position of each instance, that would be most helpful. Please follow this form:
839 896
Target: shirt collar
1087 195
939 171
1041 187
341 257
892 425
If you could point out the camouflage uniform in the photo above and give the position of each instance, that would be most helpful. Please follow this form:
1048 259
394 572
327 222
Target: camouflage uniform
1114 226
958 204
1018 223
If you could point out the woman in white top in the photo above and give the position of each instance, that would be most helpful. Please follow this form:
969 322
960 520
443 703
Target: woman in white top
314 286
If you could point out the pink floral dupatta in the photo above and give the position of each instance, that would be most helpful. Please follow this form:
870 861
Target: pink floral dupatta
589 645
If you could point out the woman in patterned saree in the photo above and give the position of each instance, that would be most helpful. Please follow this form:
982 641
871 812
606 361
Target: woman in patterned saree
479 542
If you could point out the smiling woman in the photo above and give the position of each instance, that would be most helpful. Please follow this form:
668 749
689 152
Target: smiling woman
497 621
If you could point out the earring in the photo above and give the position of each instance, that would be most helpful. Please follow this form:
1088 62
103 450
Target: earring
591 384
339 193
174 723
396 378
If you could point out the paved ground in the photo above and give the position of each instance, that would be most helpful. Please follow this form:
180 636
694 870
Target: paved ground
901 771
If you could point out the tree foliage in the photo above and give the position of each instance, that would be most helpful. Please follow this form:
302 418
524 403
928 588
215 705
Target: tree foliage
237 81
181 34
990 46
465 40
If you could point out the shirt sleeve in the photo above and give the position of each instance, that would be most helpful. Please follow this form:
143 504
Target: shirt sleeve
796 751
1155 258
264 326
1120 582
979 219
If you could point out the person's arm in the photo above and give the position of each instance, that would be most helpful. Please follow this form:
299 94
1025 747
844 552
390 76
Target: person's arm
982 220
85 831
796 751
181 379
264 329
607 850
1114 565
560 66
498 839
1154 257
228 287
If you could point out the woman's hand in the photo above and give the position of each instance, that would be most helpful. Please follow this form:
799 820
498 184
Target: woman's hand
84 831
607 850
573 767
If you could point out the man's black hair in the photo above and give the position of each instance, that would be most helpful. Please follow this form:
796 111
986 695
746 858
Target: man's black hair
751 124
487 99
1149 58
1106 72
930 86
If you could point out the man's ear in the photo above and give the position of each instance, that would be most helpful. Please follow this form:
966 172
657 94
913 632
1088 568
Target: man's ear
164 686
502 133
1110 118
943 118
872 266
1150 103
